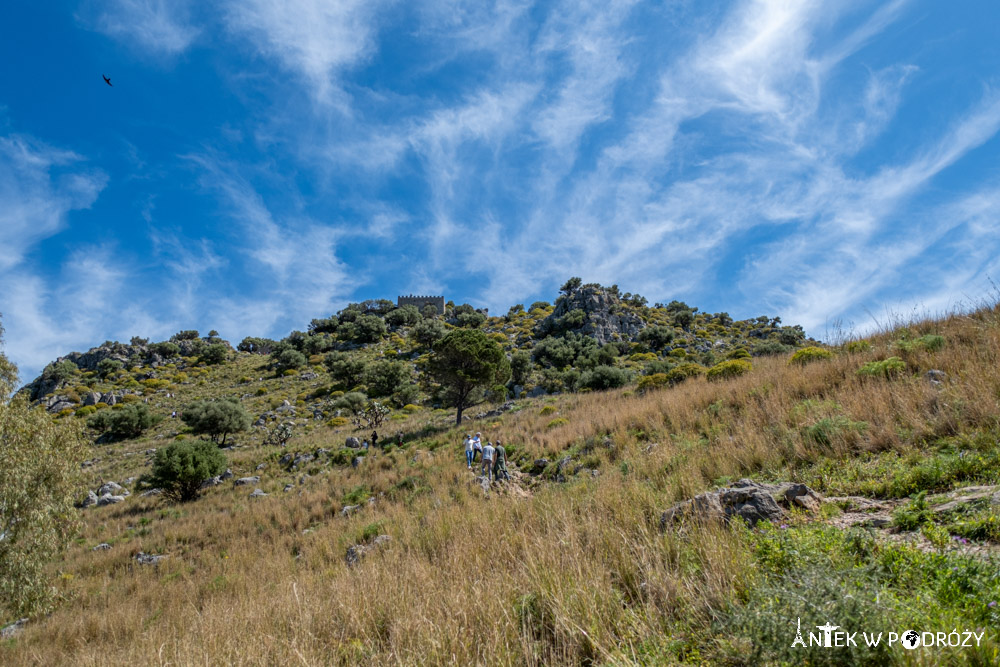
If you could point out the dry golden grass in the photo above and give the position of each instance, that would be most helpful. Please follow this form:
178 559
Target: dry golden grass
576 573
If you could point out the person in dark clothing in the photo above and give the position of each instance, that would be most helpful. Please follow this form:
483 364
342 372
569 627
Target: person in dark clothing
399 439
500 462
374 439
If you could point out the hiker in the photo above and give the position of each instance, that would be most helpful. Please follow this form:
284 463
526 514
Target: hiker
500 462
488 456
470 450
477 445
399 439
374 439
173 415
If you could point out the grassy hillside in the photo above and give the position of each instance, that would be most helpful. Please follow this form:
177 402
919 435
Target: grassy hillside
569 563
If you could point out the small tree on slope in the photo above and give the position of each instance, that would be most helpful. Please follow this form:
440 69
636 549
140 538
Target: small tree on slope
466 360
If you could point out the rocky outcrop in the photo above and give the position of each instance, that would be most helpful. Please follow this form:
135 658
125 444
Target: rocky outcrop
751 501
357 552
595 311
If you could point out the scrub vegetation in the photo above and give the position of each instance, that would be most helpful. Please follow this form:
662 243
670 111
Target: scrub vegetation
569 563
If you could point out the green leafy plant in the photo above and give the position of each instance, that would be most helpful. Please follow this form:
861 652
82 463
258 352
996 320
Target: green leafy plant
915 514
39 478
729 369
466 360
808 355
126 422
217 419
887 368
181 467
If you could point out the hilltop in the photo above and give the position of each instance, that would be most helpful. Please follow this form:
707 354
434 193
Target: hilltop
865 475
591 338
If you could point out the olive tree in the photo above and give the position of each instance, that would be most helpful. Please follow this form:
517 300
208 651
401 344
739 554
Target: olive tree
38 479
217 419
180 468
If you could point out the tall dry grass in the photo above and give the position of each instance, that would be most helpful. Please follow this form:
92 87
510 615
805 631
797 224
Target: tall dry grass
577 573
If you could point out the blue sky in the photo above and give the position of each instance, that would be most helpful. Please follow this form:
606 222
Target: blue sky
259 163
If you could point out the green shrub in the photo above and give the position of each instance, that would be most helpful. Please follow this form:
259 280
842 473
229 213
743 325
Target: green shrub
547 410
678 353
858 346
807 355
887 368
129 398
127 422
214 354
558 421
261 391
155 384
929 342
404 316
642 356
915 514
181 467
218 419
604 377
106 367
729 369
932 342
166 350
86 411
770 348
385 377
656 337
683 372
288 360
411 408
647 382
738 353
346 369
353 401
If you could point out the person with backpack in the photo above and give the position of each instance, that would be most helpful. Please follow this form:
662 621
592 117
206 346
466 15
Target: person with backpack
489 453
470 451
374 439
500 462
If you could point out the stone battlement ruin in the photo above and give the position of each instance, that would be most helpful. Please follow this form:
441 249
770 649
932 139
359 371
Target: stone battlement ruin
421 301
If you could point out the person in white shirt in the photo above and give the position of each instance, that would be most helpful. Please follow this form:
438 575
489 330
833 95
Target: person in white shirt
470 451
477 445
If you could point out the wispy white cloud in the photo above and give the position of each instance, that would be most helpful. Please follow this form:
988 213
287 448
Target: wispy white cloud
292 272
39 186
160 27
313 39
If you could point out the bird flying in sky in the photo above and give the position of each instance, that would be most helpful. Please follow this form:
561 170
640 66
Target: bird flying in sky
107 80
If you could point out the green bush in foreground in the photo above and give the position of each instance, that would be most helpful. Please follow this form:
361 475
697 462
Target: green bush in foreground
807 355
39 478
181 467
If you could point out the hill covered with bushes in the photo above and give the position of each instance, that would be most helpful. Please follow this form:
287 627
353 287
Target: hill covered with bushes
695 487
591 338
